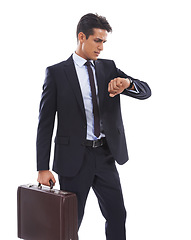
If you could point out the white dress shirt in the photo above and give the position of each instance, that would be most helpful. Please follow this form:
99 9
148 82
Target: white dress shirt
83 78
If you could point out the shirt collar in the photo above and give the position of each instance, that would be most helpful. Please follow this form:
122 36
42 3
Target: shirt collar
80 61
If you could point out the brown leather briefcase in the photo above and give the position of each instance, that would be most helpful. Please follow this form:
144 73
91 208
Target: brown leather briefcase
46 214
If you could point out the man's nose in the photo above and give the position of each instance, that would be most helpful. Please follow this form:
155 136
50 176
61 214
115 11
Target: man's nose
100 47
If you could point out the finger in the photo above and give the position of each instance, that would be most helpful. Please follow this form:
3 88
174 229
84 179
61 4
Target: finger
114 85
45 183
110 88
39 180
112 95
53 179
113 90
118 82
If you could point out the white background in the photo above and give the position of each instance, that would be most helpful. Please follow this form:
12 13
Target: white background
150 41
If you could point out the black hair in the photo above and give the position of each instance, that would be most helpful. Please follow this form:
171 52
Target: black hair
90 21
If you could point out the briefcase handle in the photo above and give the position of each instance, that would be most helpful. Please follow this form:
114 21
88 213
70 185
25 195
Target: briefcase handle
51 184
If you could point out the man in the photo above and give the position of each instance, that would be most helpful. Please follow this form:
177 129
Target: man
85 91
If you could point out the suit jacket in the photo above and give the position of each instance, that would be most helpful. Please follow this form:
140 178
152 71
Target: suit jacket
62 95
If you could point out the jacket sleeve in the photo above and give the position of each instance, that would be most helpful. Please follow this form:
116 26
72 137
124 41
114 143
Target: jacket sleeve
47 113
143 90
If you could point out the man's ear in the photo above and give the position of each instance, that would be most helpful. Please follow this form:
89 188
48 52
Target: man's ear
81 37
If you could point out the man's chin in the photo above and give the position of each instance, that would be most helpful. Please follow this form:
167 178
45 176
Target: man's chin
94 58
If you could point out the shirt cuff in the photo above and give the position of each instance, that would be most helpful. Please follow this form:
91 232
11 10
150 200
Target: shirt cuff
133 90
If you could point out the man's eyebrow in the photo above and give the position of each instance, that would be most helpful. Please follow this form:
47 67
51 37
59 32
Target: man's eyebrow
100 40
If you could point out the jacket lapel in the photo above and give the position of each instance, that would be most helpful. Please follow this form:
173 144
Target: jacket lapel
70 71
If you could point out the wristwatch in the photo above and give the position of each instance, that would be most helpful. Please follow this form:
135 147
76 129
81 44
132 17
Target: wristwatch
131 83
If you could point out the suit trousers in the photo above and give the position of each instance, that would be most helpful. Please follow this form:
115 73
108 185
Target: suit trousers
99 172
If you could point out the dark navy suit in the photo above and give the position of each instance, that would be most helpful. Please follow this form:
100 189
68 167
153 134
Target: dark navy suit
80 167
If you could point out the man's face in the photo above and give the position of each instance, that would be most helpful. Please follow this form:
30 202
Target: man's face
90 48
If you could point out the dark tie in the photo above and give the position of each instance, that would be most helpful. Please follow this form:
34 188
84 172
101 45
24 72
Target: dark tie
94 100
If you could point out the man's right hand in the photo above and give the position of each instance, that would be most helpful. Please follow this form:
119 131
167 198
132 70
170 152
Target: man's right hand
44 177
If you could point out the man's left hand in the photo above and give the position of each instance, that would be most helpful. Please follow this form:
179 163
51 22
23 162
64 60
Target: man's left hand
117 86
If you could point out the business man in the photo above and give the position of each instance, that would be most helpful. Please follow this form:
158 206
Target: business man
85 91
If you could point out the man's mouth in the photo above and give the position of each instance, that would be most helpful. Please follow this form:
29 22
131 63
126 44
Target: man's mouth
97 53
